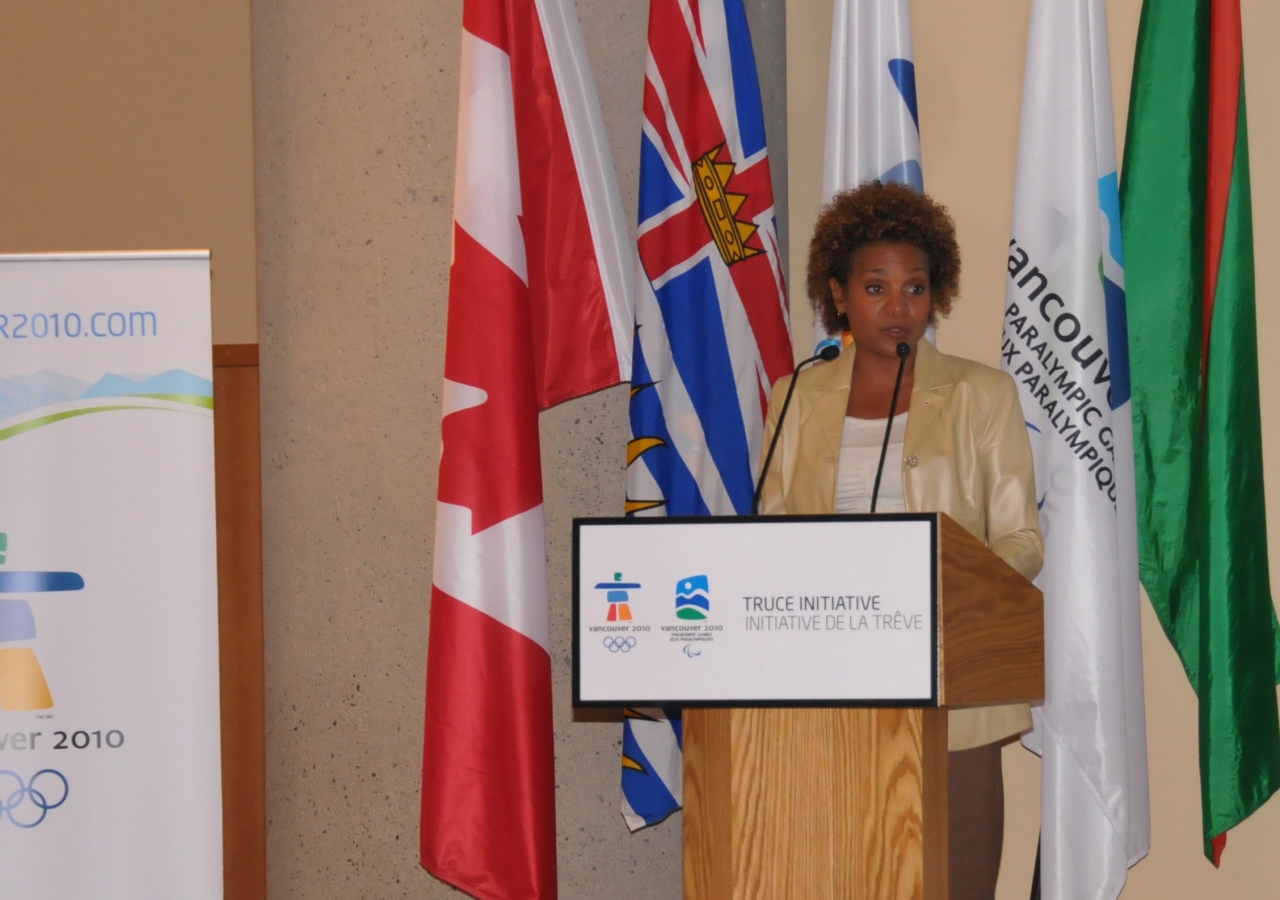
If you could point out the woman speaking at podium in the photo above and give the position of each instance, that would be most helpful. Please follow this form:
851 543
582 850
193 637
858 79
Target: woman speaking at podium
883 266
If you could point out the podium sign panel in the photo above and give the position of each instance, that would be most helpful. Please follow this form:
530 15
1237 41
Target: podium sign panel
756 611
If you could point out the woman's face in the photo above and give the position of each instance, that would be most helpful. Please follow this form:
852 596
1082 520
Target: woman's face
886 298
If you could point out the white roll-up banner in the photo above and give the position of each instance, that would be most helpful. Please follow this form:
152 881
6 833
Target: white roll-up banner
110 757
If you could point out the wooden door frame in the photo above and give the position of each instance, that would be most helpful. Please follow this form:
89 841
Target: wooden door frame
238 474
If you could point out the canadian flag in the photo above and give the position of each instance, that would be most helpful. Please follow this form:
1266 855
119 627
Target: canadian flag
539 312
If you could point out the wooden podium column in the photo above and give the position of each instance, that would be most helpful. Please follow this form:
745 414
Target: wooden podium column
815 803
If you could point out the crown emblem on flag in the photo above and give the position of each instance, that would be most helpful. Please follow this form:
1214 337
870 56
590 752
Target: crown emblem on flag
719 206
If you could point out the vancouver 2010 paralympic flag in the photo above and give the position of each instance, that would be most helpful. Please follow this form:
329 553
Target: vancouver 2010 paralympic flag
1065 346
1202 516
711 320
539 313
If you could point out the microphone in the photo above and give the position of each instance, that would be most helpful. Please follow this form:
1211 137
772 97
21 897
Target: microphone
826 354
904 350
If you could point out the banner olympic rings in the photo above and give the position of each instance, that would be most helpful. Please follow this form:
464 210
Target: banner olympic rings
14 801
616 644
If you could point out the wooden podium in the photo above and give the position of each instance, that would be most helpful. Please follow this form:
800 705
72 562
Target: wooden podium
852 802
815 751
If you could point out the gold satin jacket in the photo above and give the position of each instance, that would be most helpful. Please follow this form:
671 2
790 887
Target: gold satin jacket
965 453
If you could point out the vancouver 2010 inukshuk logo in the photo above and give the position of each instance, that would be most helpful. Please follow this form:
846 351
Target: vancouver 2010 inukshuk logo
617 597
22 682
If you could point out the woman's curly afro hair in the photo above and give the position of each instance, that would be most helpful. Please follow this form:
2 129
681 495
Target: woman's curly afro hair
877 213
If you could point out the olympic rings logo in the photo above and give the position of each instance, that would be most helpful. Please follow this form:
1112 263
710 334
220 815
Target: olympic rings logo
42 786
619 644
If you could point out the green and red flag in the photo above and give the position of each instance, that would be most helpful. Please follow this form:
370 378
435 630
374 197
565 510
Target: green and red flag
1188 245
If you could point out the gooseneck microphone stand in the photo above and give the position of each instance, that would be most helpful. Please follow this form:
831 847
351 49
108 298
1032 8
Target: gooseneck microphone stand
904 350
826 354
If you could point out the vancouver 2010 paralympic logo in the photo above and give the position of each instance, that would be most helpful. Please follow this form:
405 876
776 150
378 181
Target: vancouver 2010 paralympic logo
619 644
27 804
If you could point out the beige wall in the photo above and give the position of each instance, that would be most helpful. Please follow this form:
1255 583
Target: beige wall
129 126
969 63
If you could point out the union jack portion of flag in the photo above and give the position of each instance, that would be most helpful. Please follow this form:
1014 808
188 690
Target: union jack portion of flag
712 333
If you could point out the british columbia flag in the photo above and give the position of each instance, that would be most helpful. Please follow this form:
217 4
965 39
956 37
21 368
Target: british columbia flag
712 332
